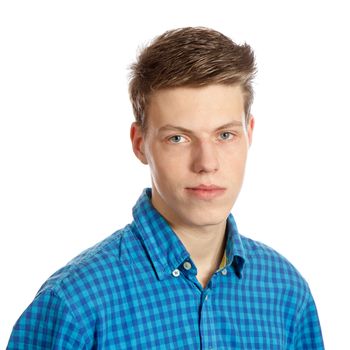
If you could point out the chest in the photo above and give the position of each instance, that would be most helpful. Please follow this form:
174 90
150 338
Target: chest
177 313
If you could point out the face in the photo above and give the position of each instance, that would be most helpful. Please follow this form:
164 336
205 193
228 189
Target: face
196 146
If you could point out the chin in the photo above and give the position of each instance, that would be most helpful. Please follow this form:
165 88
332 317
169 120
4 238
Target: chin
206 217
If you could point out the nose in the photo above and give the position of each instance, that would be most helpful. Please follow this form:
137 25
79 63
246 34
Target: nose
205 158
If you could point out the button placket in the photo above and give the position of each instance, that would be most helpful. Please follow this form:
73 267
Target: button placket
207 325
176 273
187 265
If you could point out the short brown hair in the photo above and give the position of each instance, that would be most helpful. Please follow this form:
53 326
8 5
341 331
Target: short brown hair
191 56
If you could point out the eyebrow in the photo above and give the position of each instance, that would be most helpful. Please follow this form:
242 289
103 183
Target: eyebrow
166 127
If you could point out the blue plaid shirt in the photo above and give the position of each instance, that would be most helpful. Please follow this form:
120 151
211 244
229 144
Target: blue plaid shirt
137 289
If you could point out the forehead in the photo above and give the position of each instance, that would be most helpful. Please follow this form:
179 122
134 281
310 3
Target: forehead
190 107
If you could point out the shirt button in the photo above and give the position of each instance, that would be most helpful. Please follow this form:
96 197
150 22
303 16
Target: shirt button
187 265
206 297
176 273
224 272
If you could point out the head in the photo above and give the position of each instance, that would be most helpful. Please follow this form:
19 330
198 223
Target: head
191 92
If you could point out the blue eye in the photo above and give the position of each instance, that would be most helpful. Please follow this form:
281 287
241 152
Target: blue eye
226 135
176 139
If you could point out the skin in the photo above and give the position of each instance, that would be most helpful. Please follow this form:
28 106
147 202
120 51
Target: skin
196 136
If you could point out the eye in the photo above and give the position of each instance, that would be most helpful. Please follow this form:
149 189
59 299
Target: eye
226 135
176 139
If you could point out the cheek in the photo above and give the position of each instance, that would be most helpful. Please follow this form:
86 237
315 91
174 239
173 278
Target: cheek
166 168
235 155
167 161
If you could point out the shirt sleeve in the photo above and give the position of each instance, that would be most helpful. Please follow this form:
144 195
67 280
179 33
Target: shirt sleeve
308 330
47 323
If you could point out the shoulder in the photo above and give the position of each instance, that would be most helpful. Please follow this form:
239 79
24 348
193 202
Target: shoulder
76 297
93 273
272 267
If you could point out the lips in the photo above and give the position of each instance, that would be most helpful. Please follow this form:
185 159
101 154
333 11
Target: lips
206 187
205 191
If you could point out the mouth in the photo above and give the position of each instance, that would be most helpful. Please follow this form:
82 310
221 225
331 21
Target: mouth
205 191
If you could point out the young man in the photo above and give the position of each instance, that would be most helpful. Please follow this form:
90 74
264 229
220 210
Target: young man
180 276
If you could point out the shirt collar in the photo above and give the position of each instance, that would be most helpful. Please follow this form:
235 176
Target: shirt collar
165 249
235 252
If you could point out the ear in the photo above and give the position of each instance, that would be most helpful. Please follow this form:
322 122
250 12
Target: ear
250 128
137 141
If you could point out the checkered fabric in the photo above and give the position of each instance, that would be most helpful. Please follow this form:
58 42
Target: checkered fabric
137 289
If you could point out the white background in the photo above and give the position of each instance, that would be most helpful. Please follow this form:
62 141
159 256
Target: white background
68 175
